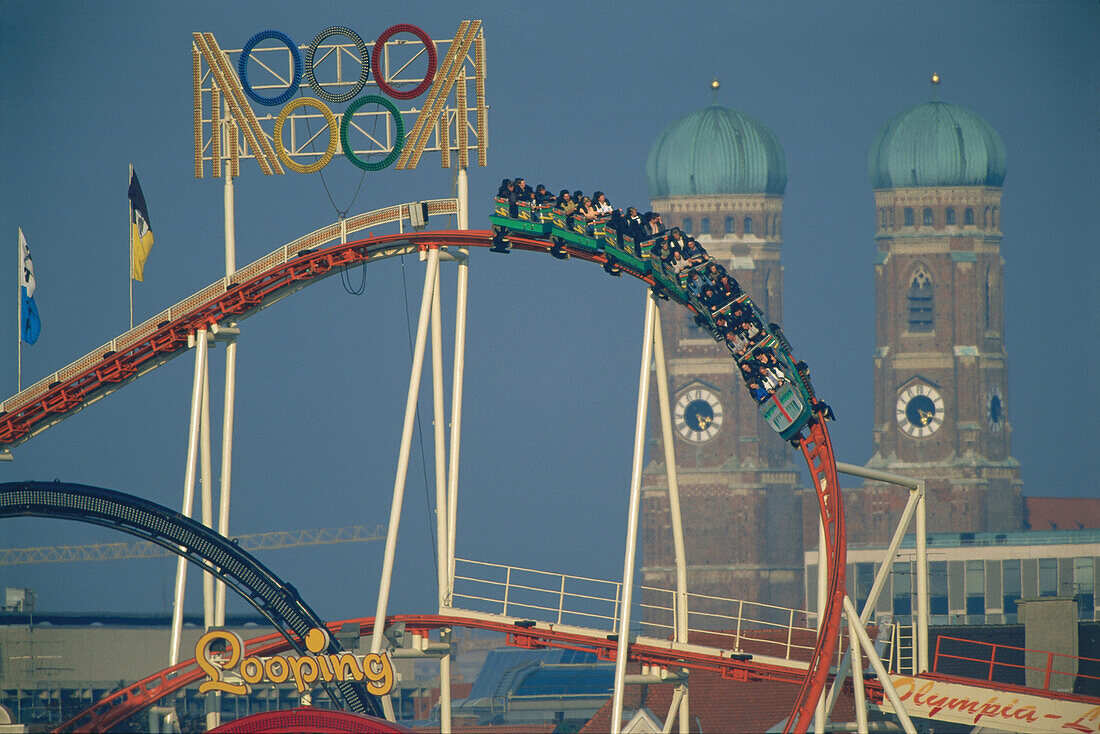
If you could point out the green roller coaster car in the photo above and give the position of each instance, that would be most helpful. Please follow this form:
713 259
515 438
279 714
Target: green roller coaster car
787 409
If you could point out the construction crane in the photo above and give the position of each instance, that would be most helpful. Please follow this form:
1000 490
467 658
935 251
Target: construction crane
145 549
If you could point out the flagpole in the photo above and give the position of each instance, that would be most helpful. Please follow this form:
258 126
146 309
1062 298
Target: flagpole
130 245
19 313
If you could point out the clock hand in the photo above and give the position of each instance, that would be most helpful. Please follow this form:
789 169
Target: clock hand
925 417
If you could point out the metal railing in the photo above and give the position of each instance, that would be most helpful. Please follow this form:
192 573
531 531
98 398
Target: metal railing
728 624
1016 665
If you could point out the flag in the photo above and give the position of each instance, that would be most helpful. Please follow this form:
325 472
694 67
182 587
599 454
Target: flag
141 232
30 326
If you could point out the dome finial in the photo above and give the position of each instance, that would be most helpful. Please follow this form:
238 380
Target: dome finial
935 85
714 85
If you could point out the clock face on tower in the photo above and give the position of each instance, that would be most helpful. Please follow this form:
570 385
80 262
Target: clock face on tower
995 409
698 415
920 410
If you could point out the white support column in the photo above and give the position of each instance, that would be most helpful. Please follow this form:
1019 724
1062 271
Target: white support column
228 400
442 525
820 713
880 671
632 519
188 491
206 501
681 606
922 580
430 274
456 414
857 679
229 397
462 193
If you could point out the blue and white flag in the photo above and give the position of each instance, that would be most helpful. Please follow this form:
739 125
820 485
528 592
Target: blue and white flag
30 326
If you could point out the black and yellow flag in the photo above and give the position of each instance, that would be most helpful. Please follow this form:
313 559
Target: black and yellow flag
141 232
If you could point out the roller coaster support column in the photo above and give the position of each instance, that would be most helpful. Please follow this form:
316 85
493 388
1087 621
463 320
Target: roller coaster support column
632 517
821 713
913 506
442 524
229 398
188 489
880 671
431 273
680 698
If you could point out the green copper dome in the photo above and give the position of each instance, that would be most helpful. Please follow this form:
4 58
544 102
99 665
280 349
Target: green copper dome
937 144
716 151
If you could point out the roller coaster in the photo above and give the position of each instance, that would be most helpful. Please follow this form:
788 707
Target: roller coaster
305 261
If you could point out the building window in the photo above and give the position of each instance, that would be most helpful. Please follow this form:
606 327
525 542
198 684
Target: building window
1010 588
908 214
937 587
1083 579
704 225
975 590
989 297
731 228
950 214
748 225
927 217
1048 577
920 300
865 579
903 588
686 225
968 216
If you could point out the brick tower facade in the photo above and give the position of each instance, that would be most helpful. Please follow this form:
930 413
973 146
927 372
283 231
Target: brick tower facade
739 495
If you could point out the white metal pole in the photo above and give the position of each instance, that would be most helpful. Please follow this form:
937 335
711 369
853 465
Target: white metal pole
188 491
872 597
456 414
206 502
230 395
667 437
130 245
632 519
212 699
880 671
462 193
403 461
922 580
822 599
857 678
442 525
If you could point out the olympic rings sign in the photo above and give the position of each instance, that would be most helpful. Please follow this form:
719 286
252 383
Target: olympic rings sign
371 62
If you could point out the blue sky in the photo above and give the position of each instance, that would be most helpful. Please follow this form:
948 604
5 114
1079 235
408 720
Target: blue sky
578 92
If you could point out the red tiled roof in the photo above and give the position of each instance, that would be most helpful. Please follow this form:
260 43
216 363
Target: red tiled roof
721 705
1062 513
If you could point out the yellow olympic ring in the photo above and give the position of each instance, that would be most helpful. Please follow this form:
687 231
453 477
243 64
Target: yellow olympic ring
330 151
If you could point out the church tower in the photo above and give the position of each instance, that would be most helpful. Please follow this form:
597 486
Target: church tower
719 175
940 366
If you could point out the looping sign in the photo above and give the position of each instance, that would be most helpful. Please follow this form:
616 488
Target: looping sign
228 665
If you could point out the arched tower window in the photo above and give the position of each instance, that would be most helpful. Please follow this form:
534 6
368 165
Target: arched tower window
686 225
950 214
748 225
990 285
927 215
968 217
908 214
731 228
920 300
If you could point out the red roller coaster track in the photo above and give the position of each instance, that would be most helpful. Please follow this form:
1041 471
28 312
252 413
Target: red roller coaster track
35 410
